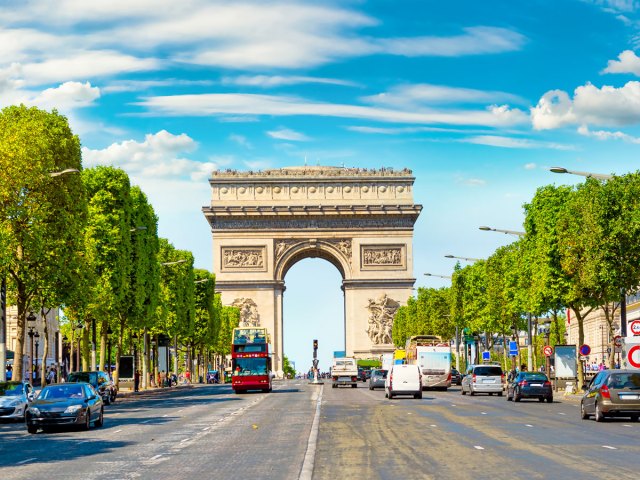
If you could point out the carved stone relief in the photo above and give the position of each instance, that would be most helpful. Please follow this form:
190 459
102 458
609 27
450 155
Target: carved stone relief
381 313
342 244
249 316
243 258
381 257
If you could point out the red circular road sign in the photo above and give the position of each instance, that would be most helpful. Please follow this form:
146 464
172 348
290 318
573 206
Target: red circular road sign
635 327
548 350
630 359
585 349
617 341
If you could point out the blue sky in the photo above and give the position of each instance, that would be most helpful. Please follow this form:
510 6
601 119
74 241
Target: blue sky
479 99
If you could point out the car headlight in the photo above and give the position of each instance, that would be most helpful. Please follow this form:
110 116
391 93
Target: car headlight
73 408
34 411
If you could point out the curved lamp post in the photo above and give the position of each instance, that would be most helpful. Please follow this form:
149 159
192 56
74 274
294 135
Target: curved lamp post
436 275
507 232
466 259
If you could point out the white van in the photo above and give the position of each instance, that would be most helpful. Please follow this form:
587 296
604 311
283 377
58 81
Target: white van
403 380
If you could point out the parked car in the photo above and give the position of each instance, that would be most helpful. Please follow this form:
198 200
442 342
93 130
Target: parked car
403 380
456 377
483 379
612 393
362 376
14 400
530 385
377 379
64 404
98 380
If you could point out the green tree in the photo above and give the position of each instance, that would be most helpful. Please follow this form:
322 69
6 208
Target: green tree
41 217
287 368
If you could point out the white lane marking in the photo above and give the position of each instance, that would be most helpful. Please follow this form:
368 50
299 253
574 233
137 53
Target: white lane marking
118 431
609 447
478 447
205 429
483 413
306 472
147 421
560 413
433 425
25 461
409 413
527 425
184 440
453 405
165 415
625 425
156 457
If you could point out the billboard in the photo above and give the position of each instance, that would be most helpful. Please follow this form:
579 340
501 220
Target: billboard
566 365
126 367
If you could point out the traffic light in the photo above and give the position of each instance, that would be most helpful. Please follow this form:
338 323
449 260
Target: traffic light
315 344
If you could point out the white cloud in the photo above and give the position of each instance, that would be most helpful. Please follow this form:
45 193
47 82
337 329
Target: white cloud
67 96
530 166
628 62
510 142
606 135
248 104
158 156
240 140
286 134
409 96
608 106
471 182
270 81
139 85
616 6
403 130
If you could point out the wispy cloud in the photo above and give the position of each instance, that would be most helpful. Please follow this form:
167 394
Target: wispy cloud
530 166
248 104
511 142
271 81
409 130
607 135
118 86
240 140
287 134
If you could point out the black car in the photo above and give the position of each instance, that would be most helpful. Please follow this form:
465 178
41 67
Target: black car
456 378
362 376
98 380
530 385
65 404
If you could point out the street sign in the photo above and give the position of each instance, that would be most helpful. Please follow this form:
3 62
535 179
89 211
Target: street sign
513 348
486 355
617 341
585 349
633 356
548 350
634 327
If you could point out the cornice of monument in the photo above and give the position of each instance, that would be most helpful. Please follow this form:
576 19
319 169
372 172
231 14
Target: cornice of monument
313 174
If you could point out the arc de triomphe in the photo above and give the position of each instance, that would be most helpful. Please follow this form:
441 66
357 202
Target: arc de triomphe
360 220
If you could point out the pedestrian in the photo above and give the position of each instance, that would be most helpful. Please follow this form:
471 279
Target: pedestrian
163 378
51 376
136 381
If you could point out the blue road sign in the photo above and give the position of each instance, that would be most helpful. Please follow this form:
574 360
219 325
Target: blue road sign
486 355
513 348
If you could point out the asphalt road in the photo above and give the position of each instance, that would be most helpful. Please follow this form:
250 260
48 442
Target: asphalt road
208 432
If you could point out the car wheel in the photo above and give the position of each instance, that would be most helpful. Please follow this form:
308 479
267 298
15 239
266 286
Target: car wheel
634 418
471 392
100 420
516 397
32 429
390 395
386 394
107 400
370 388
549 399
499 394
87 421
333 385
418 396
354 385
509 398
599 416
462 391
541 399
583 412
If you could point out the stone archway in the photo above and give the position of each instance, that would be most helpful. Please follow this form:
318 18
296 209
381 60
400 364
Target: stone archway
360 220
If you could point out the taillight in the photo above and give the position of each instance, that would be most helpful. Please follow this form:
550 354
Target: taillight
547 383
502 378
354 379
473 378
604 390
449 377
523 383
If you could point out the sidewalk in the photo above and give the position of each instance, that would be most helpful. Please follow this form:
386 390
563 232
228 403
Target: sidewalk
130 393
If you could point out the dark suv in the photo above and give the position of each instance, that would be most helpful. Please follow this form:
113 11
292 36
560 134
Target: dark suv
98 380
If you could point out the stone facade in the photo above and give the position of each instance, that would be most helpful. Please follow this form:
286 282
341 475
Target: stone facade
359 220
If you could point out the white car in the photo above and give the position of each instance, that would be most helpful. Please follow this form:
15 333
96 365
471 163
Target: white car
14 399
403 380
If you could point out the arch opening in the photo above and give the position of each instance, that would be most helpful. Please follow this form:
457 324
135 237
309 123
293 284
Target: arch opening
313 308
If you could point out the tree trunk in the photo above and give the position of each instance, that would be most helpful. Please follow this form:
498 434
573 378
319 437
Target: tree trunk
580 320
116 375
45 347
155 364
86 347
18 362
104 326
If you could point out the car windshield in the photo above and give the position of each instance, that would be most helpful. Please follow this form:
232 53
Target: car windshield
625 380
88 377
379 373
488 371
11 389
532 376
61 392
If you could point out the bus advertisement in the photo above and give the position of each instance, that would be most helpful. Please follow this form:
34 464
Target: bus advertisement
250 360
434 358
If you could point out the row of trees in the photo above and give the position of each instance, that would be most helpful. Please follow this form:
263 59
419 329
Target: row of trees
580 250
88 241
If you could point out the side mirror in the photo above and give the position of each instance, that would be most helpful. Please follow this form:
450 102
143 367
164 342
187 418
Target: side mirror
92 397
30 397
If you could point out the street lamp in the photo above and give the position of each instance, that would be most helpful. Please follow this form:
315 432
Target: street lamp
500 230
137 229
109 333
3 329
37 337
436 275
546 331
598 176
164 264
63 172
467 259
31 319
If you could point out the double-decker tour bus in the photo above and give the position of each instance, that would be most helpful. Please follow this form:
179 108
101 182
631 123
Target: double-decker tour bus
434 358
250 360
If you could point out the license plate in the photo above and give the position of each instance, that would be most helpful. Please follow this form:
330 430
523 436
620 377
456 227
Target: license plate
628 396
488 380
536 384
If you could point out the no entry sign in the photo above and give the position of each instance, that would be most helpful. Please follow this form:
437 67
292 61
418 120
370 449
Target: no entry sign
633 356
634 327
585 349
548 350
631 353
